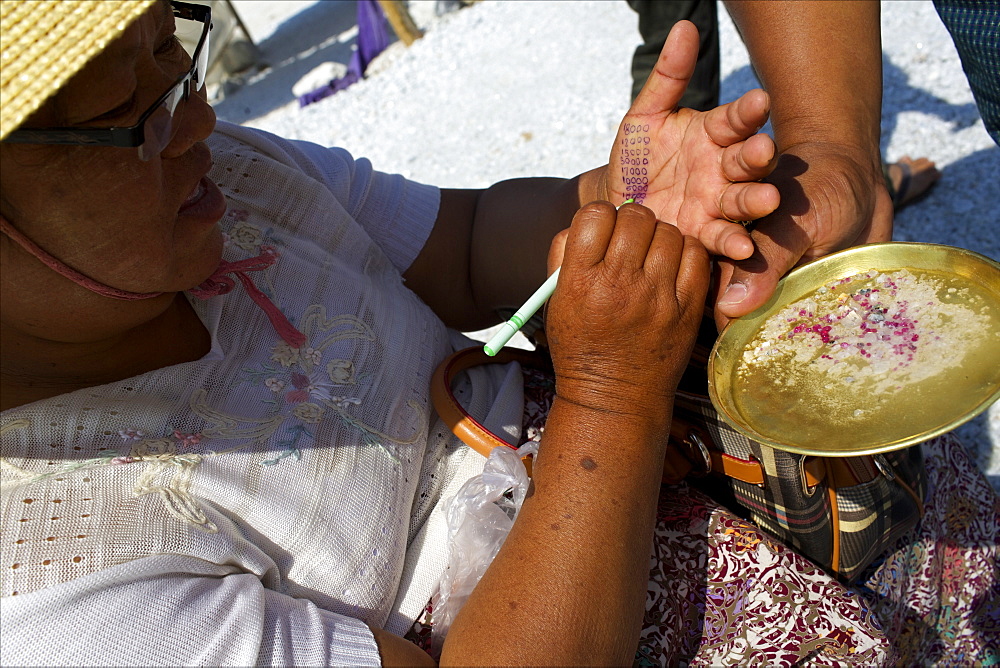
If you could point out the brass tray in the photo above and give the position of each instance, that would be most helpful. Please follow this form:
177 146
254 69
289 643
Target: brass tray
805 407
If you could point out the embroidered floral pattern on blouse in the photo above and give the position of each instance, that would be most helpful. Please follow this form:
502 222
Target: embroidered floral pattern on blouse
238 215
307 388
246 236
168 471
168 474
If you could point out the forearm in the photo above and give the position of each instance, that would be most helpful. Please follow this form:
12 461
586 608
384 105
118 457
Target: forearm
821 63
576 564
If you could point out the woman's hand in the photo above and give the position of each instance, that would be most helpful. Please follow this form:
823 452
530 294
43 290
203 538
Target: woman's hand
623 319
697 170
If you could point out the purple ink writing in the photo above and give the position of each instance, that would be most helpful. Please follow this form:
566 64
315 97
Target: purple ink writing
634 161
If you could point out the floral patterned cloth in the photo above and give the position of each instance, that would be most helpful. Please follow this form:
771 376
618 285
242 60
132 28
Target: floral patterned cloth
722 592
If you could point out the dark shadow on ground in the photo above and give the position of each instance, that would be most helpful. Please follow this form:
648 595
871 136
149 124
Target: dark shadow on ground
964 206
898 95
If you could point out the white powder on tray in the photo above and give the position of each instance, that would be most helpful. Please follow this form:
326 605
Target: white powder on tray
879 332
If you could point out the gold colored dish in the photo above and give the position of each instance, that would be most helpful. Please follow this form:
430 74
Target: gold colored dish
868 350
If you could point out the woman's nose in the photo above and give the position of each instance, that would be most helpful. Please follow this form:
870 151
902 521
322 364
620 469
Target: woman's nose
196 123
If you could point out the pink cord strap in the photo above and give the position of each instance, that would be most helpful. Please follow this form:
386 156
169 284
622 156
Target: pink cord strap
219 284
68 272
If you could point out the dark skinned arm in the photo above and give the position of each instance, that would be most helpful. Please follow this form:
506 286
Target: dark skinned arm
821 64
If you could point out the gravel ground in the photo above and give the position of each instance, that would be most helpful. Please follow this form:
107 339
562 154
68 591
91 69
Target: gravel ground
504 89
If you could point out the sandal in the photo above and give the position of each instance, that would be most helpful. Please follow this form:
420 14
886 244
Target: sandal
915 180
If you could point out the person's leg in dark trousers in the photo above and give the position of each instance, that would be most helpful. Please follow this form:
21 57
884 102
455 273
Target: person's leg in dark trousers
656 18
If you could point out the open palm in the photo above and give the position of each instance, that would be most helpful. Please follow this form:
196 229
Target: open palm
696 170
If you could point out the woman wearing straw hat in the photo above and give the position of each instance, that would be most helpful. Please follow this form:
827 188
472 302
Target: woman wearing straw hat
217 442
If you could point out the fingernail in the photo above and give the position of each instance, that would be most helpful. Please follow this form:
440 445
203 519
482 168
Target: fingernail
735 293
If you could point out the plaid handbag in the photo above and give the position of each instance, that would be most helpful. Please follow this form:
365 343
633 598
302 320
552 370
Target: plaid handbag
840 512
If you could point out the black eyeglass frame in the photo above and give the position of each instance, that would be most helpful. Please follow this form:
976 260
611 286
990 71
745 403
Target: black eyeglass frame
135 135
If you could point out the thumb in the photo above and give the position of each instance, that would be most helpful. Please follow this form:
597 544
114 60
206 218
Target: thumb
745 285
672 72
557 249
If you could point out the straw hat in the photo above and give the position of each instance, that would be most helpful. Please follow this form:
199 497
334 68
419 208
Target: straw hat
43 43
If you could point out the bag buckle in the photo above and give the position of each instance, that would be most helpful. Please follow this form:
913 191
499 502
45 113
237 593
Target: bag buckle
807 489
706 457
882 464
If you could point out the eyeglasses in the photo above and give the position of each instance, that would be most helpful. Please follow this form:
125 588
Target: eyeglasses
158 125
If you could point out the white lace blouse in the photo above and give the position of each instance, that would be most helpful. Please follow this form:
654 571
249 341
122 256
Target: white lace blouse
263 504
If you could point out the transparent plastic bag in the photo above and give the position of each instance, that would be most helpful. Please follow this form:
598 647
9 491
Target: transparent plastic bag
479 517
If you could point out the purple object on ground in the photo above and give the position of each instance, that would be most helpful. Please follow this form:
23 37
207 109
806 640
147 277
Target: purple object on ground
373 38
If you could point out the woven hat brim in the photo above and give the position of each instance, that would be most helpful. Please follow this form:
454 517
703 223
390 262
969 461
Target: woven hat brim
43 43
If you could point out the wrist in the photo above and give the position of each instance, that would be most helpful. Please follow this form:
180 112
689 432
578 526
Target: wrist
847 138
866 157
603 434
620 402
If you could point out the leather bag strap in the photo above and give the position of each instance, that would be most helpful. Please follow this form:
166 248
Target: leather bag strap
467 428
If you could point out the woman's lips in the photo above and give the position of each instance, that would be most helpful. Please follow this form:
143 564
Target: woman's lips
196 194
205 201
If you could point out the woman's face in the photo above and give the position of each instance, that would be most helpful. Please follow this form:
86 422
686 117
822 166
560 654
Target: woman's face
134 225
